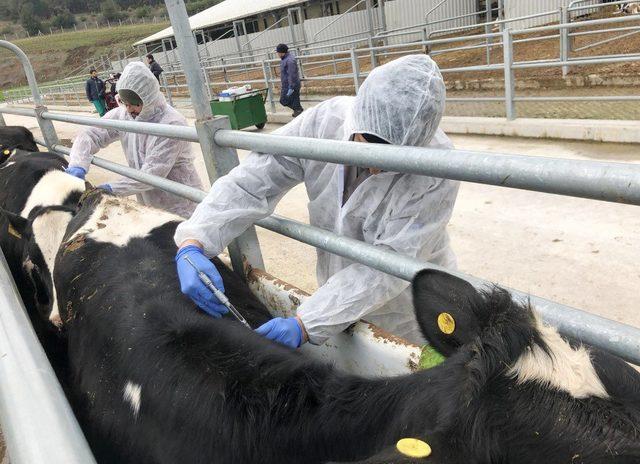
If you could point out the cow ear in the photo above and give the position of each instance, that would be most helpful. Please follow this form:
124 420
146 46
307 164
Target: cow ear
17 226
444 307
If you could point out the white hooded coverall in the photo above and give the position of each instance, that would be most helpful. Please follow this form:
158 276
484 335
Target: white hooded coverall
160 156
401 102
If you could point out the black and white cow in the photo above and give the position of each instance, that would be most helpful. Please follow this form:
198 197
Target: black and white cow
15 138
158 381
29 181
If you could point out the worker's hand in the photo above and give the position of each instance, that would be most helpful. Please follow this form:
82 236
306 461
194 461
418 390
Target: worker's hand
76 171
289 92
190 282
287 331
105 187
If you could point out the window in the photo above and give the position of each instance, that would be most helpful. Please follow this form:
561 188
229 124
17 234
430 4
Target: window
252 26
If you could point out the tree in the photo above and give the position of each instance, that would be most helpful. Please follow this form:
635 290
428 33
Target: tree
111 11
29 20
63 19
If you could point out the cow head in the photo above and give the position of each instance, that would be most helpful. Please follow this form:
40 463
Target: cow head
503 337
39 238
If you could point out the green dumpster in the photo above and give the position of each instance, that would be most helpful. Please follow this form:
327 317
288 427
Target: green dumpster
244 110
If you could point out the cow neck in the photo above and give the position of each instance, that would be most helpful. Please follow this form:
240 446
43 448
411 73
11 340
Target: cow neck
373 414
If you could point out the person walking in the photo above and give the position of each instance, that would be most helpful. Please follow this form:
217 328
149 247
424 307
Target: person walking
94 87
290 80
154 66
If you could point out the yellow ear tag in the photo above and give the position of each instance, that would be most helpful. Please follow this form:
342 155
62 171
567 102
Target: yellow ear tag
446 323
13 232
413 448
7 152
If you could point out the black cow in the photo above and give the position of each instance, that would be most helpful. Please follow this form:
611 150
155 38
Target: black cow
15 138
160 382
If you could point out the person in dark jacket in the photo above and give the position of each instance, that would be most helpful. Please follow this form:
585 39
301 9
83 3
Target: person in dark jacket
154 66
94 88
290 80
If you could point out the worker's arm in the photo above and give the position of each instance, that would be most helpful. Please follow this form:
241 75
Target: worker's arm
87 90
160 155
91 140
418 222
248 193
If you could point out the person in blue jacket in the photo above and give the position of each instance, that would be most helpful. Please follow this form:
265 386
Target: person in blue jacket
290 80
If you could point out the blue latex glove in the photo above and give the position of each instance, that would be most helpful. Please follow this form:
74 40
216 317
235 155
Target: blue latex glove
282 330
76 171
105 187
289 92
192 286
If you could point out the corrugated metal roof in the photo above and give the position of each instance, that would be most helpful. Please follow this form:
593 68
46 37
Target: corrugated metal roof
225 12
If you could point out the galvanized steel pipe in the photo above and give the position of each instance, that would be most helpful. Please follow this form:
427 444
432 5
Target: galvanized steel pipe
620 339
162 130
615 182
38 424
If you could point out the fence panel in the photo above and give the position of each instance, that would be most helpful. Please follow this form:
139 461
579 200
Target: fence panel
404 13
355 22
517 8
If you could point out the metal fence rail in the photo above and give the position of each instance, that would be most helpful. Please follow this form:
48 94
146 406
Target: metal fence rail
617 338
37 422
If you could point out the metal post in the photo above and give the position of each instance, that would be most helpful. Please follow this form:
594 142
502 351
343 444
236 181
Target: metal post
224 70
382 18
46 127
167 89
207 82
372 27
164 51
236 34
425 38
292 26
355 66
565 44
218 160
509 78
64 96
372 53
266 70
37 421
333 60
301 24
487 29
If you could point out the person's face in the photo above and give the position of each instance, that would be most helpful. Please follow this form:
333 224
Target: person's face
148 60
133 110
94 74
281 55
361 139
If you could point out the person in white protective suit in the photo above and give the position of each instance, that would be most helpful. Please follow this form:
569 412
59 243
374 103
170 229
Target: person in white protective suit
141 100
400 103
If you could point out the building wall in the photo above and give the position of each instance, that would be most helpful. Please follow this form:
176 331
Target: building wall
403 13
518 8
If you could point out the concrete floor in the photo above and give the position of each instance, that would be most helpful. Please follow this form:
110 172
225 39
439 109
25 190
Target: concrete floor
579 252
